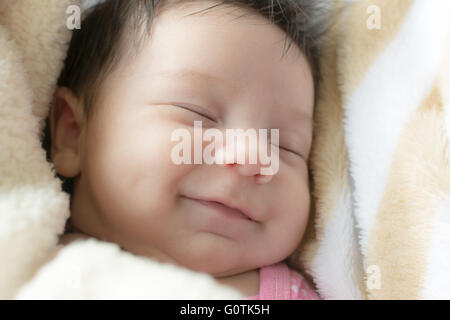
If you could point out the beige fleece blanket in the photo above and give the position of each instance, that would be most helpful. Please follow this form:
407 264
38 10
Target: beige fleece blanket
380 154
381 194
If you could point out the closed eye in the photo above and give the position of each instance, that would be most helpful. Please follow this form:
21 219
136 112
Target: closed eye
290 150
193 108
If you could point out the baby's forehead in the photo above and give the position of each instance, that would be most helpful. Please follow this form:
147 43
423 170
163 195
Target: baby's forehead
230 86
237 58
222 73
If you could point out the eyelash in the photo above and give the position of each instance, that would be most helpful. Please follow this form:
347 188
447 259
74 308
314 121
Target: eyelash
291 151
209 118
194 111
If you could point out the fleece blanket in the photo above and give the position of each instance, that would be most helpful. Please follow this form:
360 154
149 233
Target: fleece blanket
380 158
380 217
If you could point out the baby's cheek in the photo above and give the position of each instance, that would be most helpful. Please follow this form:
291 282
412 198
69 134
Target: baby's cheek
292 208
118 165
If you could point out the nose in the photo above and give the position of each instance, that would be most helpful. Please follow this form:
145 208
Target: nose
242 155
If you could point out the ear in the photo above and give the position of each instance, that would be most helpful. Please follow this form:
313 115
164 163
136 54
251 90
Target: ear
66 124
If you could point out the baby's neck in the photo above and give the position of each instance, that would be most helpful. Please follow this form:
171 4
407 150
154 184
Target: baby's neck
247 283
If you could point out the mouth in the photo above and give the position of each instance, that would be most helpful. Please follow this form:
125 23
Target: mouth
225 208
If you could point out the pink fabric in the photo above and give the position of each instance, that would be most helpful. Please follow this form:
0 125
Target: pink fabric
279 282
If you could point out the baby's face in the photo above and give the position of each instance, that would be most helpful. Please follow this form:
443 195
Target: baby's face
131 192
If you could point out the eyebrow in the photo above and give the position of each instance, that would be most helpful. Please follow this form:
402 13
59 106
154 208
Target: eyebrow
192 73
195 74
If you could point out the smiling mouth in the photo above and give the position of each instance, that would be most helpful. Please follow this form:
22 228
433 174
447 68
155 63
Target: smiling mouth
222 208
225 209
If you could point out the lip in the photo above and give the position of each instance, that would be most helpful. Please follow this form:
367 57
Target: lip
226 207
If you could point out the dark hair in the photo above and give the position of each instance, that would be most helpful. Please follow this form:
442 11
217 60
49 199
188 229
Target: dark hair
97 47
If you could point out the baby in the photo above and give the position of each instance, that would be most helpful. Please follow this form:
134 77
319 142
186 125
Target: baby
139 70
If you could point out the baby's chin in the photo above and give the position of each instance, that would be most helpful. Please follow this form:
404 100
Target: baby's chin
218 270
232 272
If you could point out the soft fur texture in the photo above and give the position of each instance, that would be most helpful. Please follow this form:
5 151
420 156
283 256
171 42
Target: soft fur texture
380 156
381 212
